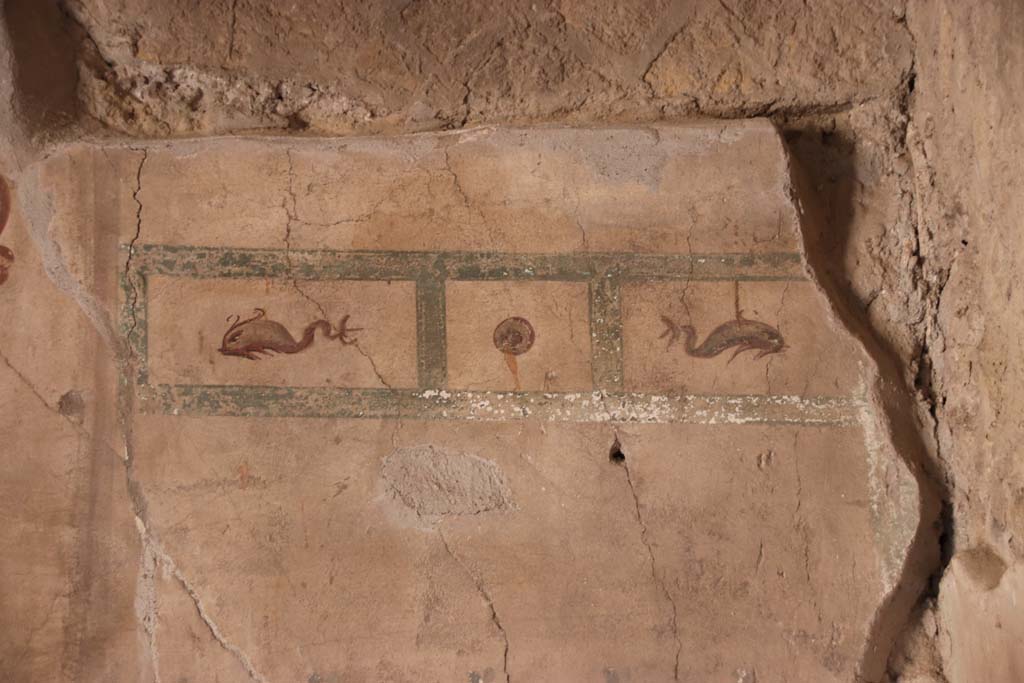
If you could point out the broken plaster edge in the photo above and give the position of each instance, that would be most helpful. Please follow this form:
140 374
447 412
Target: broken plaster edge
460 135
147 607
892 436
37 216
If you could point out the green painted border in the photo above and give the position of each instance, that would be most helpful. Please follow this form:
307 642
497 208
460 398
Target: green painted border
326 264
604 273
434 404
431 328
605 294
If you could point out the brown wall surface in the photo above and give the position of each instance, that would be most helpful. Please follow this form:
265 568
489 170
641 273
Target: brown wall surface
905 116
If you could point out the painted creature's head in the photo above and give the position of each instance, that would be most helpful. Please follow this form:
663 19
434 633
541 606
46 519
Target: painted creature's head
238 339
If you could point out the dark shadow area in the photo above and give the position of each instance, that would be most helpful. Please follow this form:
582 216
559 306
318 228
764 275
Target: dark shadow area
827 156
825 178
44 41
615 454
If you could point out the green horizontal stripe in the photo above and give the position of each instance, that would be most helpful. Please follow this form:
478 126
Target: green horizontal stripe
432 404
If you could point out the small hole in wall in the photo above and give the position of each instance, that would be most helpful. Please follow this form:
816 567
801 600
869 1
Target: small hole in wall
615 454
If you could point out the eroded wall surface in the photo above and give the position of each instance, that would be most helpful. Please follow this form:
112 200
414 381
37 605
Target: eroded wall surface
903 114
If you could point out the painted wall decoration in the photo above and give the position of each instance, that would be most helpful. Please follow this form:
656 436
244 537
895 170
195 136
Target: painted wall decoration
513 337
261 335
608 278
741 334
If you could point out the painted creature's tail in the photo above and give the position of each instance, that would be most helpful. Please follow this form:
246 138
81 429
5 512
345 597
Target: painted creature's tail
342 331
671 331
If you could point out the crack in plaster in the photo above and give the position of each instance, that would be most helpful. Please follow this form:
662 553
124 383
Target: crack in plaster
146 610
658 579
292 217
802 528
482 590
373 364
459 189
134 296
154 552
584 243
31 387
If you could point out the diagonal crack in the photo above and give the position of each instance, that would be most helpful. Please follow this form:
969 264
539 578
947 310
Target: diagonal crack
82 431
373 364
154 553
658 578
654 60
31 387
482 590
